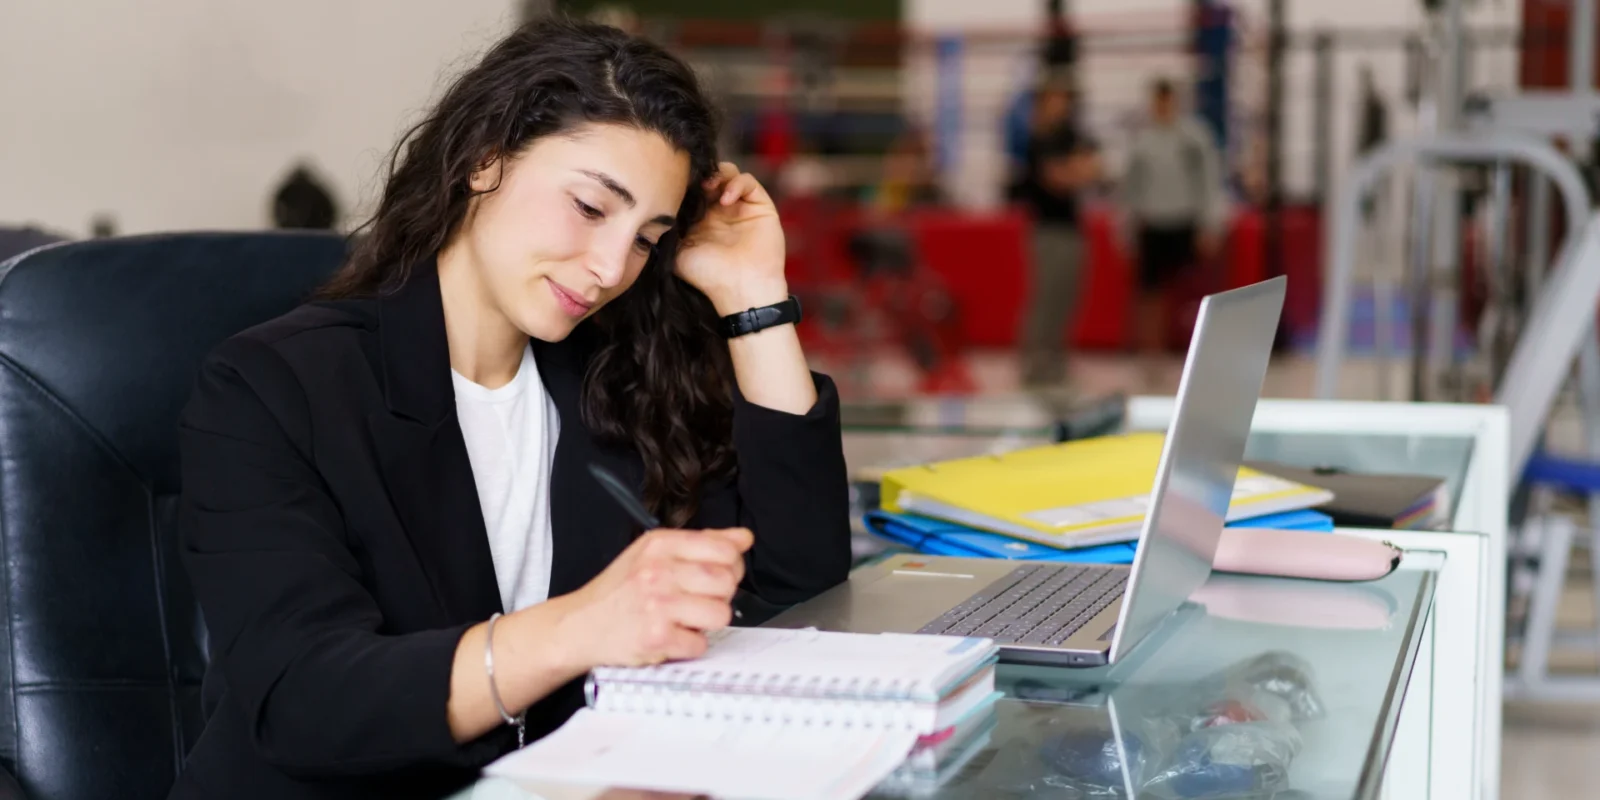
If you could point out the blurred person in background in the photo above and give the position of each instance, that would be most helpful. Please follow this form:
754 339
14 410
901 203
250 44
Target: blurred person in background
1016 131
557 275
1372 132
102 226
805 174
891 272
883 245
1172 201
1373 115
908 179
1061 164
303 201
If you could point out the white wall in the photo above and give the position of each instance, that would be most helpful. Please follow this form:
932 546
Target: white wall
184 114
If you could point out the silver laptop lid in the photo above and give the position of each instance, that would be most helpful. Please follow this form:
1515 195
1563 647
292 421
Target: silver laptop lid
1222 378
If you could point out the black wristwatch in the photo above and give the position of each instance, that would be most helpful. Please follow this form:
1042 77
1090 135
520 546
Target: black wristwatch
758 319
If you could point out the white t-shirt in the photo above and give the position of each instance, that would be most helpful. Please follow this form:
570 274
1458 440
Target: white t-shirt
511 441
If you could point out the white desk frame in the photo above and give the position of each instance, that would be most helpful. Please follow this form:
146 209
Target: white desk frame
1443 747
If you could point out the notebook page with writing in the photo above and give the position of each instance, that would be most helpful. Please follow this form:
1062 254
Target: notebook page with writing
721 759
819 664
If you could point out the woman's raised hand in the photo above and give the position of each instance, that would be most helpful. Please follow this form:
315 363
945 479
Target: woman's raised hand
736 254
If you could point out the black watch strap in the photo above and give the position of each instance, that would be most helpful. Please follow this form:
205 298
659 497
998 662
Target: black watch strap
757 319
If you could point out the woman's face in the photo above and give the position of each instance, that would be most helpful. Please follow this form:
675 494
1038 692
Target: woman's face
571 223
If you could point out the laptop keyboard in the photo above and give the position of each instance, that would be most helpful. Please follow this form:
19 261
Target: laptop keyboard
1040 604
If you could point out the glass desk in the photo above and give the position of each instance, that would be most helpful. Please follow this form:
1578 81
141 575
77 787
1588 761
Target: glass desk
1324 700
1445 749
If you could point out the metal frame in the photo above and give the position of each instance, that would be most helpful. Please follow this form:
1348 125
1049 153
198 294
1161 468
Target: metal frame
1559 330
1562 321
1538 112
1569 288
1559 326
1557 533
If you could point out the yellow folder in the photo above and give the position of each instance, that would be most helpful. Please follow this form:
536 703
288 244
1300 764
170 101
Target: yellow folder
1075 494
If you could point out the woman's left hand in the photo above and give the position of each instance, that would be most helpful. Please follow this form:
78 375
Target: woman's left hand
735 256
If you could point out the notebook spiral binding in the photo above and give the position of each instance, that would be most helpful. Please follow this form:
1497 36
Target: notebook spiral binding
754 697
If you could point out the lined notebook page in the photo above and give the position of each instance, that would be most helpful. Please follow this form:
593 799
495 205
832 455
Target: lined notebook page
819 663
764 762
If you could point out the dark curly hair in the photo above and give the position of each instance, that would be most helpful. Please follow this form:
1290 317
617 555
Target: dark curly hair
660 380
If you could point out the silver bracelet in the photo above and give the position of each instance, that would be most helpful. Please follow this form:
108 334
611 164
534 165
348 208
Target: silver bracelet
519 720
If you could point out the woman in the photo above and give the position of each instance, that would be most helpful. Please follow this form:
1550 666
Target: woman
371 479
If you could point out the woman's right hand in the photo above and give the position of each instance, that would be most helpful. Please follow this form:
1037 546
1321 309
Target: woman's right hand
656 601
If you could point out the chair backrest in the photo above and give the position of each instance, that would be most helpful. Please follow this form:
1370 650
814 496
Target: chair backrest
103 645
15 241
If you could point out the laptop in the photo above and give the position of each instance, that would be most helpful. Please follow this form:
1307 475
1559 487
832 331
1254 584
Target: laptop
1093 614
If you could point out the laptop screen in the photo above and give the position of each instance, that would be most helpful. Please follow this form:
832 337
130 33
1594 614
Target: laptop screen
1216 400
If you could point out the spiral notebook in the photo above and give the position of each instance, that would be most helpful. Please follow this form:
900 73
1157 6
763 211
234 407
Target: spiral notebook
767 713
936 760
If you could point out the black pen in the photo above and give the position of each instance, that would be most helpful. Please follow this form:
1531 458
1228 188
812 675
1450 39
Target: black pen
641 515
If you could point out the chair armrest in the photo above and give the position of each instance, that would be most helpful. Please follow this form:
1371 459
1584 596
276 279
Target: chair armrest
9 790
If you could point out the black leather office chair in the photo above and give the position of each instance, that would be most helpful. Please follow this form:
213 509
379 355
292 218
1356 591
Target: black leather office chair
103 644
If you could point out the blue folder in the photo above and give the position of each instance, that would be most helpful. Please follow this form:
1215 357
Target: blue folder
940 538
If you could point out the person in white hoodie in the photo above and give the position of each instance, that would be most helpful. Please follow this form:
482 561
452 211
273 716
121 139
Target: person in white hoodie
1172 197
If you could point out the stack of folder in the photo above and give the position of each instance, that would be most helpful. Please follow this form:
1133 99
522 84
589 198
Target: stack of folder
1090 493
940 538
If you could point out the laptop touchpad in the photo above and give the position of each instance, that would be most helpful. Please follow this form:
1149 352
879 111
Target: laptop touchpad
899 601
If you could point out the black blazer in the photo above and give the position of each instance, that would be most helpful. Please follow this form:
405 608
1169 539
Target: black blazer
333 534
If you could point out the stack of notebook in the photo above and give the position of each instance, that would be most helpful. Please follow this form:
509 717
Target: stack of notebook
1369 500
771 713
1072 495
937 758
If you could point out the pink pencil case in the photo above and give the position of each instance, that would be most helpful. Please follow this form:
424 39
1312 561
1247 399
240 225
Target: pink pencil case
1300 554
